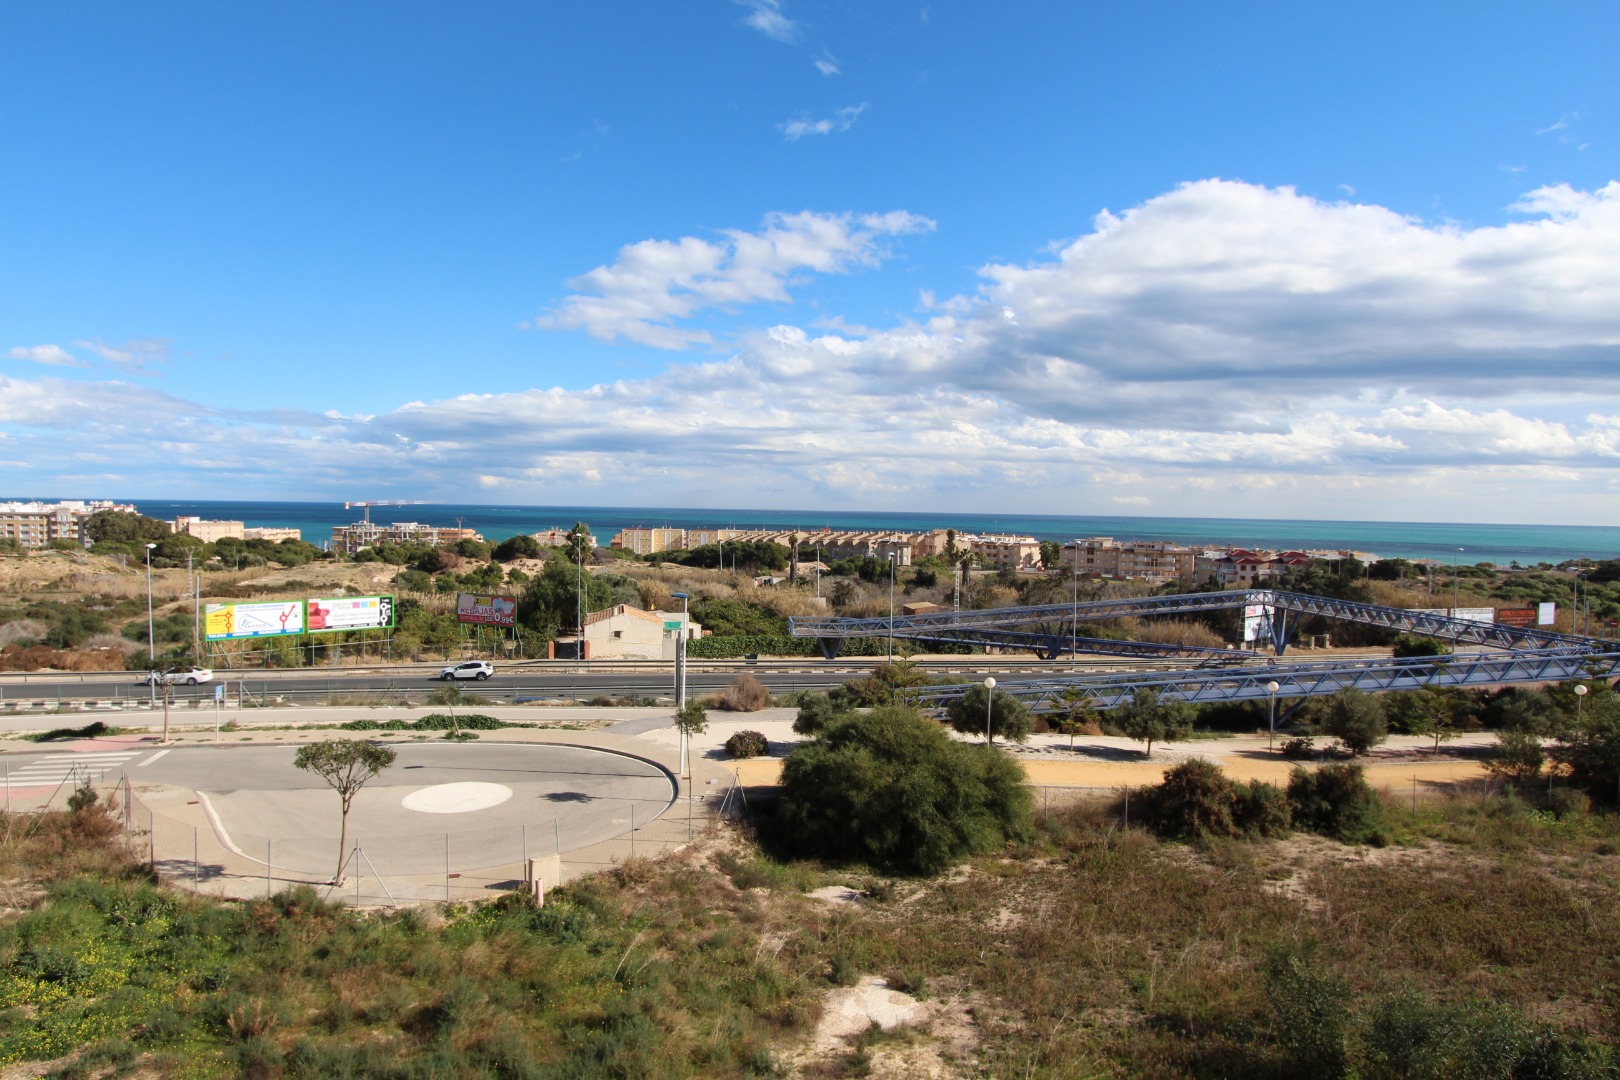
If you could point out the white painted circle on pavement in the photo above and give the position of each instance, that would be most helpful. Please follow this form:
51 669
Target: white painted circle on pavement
459 798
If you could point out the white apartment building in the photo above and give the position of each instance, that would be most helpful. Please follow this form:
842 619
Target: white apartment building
36 524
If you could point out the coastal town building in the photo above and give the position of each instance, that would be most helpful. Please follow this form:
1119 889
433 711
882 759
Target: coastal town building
1149 560
625 632
208 531
649 541
36 524
274 534
1238 568
363 534
558 537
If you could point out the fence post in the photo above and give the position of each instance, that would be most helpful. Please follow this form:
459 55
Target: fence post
269 887
447 867
196 870
1127 807
632 830
151 838
525 829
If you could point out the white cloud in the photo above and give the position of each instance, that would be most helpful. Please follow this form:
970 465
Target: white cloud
842 120
766 17
654 283
53 355
138 356
1222 349
827 64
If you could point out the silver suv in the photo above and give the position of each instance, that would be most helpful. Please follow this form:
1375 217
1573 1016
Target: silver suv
472 669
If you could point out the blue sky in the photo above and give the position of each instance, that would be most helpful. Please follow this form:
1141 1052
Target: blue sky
1266 260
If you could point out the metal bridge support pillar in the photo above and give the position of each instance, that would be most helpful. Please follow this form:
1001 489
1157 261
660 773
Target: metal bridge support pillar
830 647
1279 630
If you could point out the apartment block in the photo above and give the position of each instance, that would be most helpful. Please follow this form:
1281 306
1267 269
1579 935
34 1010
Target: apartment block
208 531
1150 560
363 534
36 524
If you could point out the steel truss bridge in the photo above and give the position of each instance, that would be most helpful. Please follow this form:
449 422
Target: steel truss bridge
1525 655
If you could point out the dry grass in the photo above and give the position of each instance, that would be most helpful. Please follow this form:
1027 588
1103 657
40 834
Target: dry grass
1172 632
745 694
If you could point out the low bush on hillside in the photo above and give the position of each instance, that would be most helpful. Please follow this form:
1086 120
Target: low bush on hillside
1197 801
1337 802
892 789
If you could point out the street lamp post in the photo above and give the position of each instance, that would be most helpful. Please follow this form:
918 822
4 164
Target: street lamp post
680 677
893 558
151 637
1580 694
1456 631
1271 724
818 571
1074 623
989 698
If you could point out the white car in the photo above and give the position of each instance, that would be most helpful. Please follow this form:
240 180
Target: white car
189 676
472 669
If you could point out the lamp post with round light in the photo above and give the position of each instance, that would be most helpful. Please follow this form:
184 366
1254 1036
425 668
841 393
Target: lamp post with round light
1580 693
989 699
1271 724
1456 631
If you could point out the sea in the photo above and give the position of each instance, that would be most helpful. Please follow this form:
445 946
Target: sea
1468 544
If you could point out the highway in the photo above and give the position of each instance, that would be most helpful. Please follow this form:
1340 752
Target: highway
517 683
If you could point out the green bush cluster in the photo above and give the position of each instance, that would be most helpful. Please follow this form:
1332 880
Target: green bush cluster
434 722
747 744
1197 801
892 789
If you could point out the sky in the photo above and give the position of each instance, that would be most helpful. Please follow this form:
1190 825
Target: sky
1266 260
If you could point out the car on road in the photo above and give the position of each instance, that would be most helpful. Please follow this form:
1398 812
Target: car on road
191 676
472 669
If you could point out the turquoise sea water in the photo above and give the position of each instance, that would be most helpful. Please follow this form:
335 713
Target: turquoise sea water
1499 544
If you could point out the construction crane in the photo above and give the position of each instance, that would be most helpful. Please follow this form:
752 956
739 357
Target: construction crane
367 504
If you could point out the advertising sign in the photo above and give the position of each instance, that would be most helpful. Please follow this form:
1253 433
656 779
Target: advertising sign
227 622
1522 617
350 613
486 610
1256 622
1546 613
1462 614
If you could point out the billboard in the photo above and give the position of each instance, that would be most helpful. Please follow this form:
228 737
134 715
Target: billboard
350 613
1546 613
1523 618
1256 622
486 610
227 622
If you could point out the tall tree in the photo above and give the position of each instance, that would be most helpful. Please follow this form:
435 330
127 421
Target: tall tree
1150 718
346 765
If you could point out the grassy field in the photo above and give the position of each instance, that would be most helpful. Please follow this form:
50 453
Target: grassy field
1483 939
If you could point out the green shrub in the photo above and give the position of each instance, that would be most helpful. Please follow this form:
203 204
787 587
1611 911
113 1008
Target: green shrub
893 790
1302 748
1197 801
818 711
1336 801
1263 810
747 744
1312 1014
1357 720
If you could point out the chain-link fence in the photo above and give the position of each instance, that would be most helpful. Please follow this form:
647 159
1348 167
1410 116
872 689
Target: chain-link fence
186 847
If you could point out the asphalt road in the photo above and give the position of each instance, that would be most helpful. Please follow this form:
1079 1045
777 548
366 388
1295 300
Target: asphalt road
552 680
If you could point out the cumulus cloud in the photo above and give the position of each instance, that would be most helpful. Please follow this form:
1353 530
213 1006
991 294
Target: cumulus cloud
654 283
842 120
766 16
1222 349
54 355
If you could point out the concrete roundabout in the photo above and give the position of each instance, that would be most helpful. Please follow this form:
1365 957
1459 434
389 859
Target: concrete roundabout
471 805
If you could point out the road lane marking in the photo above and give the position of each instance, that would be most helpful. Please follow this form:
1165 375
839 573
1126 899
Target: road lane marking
154 757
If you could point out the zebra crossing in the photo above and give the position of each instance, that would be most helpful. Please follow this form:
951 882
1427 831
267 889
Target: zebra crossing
52 769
